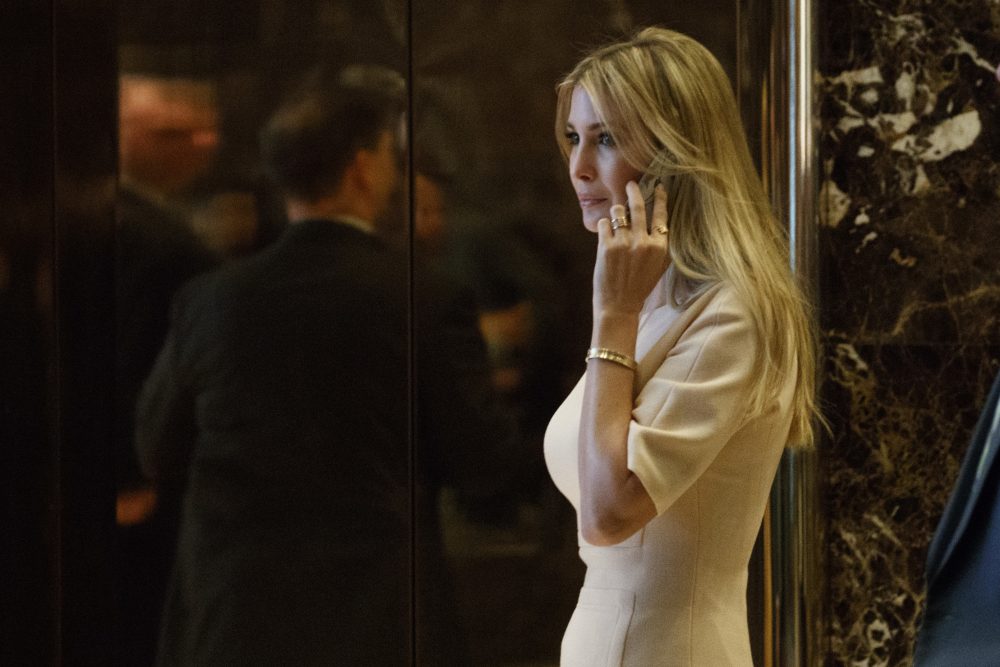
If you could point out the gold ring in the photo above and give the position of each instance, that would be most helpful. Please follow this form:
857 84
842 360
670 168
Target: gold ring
619 223
661 229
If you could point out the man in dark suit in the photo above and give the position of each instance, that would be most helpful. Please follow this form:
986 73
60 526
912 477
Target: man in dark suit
961 624
281 396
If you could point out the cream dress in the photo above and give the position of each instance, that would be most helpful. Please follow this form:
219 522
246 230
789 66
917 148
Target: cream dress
674 593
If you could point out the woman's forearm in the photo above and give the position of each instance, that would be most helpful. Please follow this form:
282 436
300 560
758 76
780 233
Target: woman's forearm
613 502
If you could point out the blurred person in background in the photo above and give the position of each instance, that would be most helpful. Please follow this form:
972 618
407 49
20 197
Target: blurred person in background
282 398
449 334
168 133
236 216
168 138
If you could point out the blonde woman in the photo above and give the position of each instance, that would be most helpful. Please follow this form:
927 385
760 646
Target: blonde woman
700 370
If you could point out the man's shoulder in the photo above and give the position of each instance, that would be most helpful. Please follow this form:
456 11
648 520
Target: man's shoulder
324 266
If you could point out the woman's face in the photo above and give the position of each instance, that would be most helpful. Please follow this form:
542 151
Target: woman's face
597 168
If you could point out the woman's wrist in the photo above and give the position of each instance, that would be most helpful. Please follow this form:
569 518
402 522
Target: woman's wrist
615 330
609 318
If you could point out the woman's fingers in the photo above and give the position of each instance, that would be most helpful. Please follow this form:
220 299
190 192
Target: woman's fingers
620 220
637 207
604 231
630 257
660 228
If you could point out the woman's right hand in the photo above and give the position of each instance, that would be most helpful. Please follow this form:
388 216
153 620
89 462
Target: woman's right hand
630 260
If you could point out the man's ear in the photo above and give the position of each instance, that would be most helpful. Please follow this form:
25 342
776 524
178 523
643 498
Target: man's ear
362 168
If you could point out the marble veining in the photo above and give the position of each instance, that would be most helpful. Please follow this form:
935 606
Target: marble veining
949 136
908 198
909 115
901 415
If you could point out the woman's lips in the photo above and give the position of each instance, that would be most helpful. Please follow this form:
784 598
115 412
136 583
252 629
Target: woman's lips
587 202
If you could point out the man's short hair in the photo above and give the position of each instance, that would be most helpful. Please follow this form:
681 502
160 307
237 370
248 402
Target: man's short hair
308 143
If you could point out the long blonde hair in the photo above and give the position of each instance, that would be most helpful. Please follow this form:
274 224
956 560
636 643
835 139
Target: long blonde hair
670 108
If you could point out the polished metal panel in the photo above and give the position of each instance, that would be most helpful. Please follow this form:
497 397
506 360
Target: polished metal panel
798 481
776 65
803 154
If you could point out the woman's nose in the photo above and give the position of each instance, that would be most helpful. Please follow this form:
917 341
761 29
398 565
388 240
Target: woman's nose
581 166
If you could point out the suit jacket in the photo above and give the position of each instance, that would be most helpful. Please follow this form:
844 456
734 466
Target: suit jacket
281 396
156 254
961 623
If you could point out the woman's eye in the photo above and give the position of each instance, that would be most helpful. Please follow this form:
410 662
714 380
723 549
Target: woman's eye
572 138
605 139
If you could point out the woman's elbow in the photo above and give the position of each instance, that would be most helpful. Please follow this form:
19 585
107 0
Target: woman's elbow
605 529
604 523
597 537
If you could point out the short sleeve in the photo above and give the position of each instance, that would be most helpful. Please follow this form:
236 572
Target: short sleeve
694 403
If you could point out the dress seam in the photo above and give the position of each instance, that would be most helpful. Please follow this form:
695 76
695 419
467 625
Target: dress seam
704 343
694 581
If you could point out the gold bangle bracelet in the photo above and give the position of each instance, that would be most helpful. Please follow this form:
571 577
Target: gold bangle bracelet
612 356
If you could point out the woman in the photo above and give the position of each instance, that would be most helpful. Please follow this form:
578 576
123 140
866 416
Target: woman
701 364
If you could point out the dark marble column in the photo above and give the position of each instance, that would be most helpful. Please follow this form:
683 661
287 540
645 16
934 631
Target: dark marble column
910 293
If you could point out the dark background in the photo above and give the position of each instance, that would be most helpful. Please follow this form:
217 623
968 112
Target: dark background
482 76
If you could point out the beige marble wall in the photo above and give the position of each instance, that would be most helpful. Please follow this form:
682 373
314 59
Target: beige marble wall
910 291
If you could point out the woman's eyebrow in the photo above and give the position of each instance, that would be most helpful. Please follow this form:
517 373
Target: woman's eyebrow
591 127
